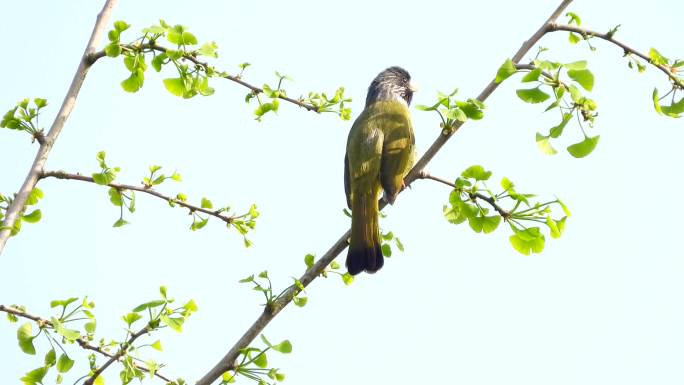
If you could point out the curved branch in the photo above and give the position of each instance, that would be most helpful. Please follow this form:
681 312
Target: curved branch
586 33
17 205
237 79
228 361
64 175
81 342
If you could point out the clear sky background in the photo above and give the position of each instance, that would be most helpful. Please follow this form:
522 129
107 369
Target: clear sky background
601 305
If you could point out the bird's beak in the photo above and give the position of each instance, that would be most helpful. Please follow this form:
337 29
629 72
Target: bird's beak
413 87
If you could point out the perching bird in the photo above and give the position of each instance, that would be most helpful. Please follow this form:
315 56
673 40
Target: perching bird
380 152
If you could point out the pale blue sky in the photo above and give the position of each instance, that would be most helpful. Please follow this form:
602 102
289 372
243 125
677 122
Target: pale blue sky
602 305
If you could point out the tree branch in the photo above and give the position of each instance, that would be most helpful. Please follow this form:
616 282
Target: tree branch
122 350
81 342
586 33
143 189
504 214
237 79
19 201
228 361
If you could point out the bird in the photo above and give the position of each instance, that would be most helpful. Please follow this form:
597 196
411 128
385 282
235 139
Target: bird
380 152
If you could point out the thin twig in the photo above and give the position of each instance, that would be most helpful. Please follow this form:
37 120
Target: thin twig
586 33
228 361
122 350
19 201
237 79
81 342
143 189
492 202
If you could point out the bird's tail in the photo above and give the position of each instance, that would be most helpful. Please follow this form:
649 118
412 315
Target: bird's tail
364 247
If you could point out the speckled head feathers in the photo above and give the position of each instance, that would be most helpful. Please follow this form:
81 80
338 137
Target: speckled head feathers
392 83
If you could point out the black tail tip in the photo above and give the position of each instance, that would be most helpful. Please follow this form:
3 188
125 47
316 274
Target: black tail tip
368 259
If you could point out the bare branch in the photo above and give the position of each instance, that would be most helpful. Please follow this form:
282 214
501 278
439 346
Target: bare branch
147 190
19 201
81 342
586 33
228 361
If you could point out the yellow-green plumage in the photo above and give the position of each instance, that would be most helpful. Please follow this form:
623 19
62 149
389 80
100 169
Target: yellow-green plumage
380 152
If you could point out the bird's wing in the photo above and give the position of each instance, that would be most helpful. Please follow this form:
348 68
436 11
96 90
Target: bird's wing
397 150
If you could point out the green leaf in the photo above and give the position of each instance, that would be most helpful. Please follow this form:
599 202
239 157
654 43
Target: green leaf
505 71
112 49
35 376
206 204
260 360
50 358
573 38
175 323
457 114
90 326
544 145
656 102
557 131
176 86
120 222
476 172
197 225
64 364
386 250
69 334
134 82
576 65
99 380
584 77
553 227
149 305
115 197
64 303
34 196
490 223
674 110
189 38
208 49
309 260
33 217
583 148
300 301
156 345
532 76
532 95
121 25
528 241
574 18
130 318
283 347
25 338
347 278
657 58
158 61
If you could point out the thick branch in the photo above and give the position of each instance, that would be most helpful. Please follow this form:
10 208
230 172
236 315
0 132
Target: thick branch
17 205
81 342
504 214
143 189
228 361
237 79
586 33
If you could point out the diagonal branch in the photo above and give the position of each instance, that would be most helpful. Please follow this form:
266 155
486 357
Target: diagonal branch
228 361
214 213
19 201
81 342
586 33
122 350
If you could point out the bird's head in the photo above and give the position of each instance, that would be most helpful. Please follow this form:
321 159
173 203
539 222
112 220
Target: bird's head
394 83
